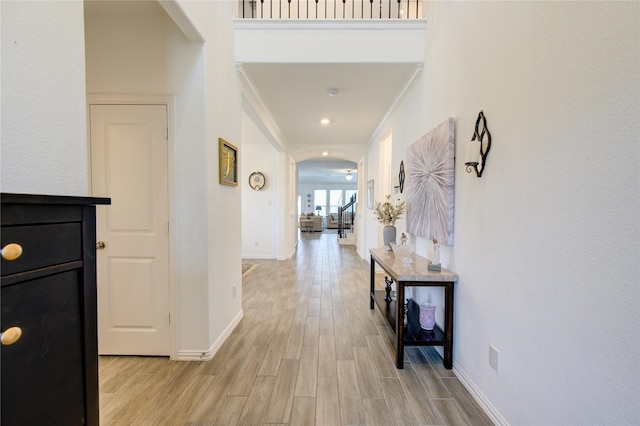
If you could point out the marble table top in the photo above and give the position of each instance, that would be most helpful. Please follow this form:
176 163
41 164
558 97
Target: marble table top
416 270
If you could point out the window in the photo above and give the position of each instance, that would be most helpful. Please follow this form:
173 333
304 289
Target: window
335 200
320 199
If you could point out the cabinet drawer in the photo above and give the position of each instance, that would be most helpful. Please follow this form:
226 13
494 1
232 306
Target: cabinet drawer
43 373
42 245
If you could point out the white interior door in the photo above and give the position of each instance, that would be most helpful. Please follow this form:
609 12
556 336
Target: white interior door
129 151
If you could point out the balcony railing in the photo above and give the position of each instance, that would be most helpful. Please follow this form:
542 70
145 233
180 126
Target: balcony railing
330 9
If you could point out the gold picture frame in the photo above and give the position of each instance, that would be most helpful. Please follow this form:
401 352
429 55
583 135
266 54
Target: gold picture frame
228 163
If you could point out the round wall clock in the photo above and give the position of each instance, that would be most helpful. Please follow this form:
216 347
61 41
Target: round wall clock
256 181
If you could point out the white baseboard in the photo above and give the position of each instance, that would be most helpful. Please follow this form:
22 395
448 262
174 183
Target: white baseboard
199 355
480 398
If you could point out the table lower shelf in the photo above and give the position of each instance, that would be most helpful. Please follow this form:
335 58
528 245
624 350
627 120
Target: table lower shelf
414 335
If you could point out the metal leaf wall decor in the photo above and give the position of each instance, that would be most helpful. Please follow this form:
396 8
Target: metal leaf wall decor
430 179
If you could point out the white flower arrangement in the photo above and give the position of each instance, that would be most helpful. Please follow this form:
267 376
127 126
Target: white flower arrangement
387 213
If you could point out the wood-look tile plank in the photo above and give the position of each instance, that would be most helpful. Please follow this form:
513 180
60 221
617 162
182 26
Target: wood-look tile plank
344 350
255 408
314 307
326 301
465 401
273 357
279 410
123 370
230 410
311 331
370 386
138 396
154 413
307 372
210 400
450 412
327 402
326 321
285 321
303 411
399 407
339 317
293 348
266 327
302 309
351 408
377 413
385 364
189 400
327 366
418 397
248 371
433 384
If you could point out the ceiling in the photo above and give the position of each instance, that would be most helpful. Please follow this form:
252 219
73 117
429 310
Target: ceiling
297 97
354 97
329 172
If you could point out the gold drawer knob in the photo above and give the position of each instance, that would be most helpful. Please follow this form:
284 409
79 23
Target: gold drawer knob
10 336
11 251
100 245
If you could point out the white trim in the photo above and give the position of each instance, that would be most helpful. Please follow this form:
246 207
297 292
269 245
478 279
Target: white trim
182 21
376 135
259 256
486 405
168 101
199 355
255 107
342 24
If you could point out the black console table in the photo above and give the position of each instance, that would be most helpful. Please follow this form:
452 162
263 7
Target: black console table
415 274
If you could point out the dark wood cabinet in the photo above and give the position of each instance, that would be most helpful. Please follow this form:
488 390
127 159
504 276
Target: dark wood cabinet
50 375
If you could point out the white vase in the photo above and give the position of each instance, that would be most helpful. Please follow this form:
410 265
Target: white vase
436 254
388 236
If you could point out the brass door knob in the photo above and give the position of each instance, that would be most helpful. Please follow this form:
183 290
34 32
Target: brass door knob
10 336
100 245
11 251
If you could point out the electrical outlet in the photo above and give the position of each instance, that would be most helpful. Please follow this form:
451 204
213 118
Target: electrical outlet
494 357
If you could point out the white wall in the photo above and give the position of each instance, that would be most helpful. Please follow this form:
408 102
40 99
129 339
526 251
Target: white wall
148 54
222 118
43 124
546 242
259 208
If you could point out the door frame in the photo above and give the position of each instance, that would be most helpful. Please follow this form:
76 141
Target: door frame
168 101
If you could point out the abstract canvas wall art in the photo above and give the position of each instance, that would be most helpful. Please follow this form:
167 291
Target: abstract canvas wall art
430 184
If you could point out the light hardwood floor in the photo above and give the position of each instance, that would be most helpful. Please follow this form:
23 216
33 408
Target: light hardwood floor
308 351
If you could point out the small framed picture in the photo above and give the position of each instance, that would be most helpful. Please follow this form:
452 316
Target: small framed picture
370 194
228 163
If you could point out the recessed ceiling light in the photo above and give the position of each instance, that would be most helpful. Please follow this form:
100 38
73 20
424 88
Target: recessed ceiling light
325 153
325 121
332 91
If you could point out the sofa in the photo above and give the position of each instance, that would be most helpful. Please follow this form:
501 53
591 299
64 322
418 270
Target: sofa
332 221
316 225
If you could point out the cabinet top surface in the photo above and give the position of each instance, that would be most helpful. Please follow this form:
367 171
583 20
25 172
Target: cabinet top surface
417 270
9 198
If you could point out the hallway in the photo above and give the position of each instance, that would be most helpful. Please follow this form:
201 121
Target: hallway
308 351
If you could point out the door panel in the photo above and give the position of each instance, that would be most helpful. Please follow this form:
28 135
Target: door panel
129 165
